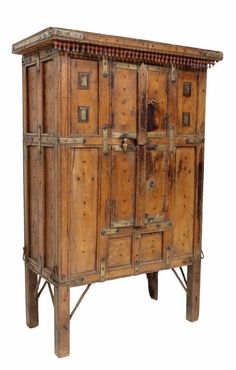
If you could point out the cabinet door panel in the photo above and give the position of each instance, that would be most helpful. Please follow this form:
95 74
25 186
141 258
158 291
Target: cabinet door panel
124 99
83 96
122 188
156 183
187 102
157 100
84 205
184 201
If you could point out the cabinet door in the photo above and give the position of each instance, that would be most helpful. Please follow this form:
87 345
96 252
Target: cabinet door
139 162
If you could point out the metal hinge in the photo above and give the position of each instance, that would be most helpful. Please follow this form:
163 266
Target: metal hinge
71 140
172 138
169 250
105 140
103 269
40 139
52 140
195 140
105 67
109 231
38 63
173 73
149 219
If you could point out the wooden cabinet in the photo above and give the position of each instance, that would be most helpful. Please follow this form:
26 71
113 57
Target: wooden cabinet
113 164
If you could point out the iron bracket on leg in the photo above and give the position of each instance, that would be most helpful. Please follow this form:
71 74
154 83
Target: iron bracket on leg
79 300
182 282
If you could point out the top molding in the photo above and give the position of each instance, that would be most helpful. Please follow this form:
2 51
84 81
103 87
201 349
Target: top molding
118 48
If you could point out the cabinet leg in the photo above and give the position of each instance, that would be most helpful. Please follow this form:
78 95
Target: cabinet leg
62 320
31 300
153 284
193 296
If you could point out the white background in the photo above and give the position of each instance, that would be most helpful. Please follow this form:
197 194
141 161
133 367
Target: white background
117 326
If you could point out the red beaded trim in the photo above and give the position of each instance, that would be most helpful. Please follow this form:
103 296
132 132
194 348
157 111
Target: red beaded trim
134 56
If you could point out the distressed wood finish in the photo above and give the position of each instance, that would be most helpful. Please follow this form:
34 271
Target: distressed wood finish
113 164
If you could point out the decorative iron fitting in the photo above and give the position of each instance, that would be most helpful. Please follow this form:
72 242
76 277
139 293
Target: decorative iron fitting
25 256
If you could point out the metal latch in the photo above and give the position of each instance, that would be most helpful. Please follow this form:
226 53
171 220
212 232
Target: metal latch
124 144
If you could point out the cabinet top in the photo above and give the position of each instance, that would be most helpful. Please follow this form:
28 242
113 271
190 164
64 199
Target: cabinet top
118 48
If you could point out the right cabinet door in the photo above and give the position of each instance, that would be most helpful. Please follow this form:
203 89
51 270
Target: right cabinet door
191 89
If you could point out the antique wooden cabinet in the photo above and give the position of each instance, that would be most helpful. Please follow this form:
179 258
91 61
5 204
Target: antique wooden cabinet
113 164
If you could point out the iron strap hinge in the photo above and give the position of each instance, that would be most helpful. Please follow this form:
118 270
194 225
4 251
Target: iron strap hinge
109 231
38 63
105 66
103 269
105 140
52 140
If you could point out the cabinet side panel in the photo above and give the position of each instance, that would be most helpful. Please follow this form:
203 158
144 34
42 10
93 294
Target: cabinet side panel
48 96
184 201
33 201
49 207
31 88
83 217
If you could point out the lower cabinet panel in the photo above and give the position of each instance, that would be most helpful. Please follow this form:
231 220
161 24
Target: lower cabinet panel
184 201
151 248
129 254
84 207
120 252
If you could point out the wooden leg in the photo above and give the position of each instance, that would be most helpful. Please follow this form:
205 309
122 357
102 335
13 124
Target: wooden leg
193 298
153 284
31 301
62 320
